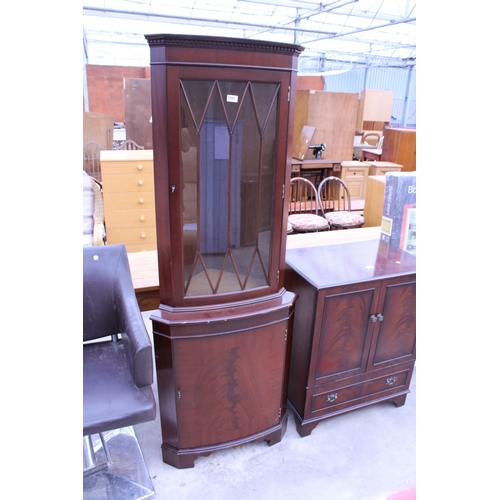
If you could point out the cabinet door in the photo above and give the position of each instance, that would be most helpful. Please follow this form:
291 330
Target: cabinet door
394 339
343 341
227 173
229 386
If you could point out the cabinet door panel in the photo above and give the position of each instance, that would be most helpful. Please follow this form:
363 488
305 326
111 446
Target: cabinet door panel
397 334
229 385
344 334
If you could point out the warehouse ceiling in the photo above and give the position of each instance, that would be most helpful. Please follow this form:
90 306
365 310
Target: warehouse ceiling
337 35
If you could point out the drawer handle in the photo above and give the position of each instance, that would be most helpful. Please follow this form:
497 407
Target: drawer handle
143 235
142 218
141 182
139 167
141 200
331 397
390 380
378 317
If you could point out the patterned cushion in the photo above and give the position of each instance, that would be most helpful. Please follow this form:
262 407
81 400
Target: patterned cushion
345 219
307 222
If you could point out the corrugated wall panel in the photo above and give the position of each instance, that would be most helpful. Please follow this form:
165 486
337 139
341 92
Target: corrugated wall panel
390 79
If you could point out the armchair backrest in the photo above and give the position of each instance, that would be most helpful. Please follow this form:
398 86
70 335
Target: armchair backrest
107 284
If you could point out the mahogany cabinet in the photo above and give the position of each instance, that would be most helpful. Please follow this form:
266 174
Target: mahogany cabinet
400 146
354 334
222 140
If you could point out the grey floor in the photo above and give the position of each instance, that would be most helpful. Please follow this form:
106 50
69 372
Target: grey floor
367 454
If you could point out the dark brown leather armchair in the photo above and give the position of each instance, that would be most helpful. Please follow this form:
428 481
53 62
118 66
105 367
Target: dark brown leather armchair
117 356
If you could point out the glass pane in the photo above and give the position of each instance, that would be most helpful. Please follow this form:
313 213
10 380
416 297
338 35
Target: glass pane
189 164
231 168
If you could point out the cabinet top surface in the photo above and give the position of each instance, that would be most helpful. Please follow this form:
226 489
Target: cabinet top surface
332 265
124 154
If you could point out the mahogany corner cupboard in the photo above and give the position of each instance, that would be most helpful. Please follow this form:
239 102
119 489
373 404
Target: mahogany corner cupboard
354 338
222 136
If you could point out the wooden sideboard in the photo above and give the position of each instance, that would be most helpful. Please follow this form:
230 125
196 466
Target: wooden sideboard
382 167
400 146
354 331
129 202
374 201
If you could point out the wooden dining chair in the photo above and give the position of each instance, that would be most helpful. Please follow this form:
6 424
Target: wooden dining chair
129 144
303 211
335 204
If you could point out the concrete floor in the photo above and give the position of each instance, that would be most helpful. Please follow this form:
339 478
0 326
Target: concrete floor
367 454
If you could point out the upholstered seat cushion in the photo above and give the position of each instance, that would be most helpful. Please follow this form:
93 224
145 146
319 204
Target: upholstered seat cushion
307 222
111 398
345 219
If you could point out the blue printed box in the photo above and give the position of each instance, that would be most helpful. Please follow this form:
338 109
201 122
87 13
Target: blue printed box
399 216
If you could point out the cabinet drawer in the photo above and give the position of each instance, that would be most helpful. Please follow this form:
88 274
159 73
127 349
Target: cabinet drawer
355 172
124 182
129 201
127 167
347 395
130 218
134 236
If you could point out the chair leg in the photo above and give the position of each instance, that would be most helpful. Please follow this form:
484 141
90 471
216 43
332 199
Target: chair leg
90 465
127 472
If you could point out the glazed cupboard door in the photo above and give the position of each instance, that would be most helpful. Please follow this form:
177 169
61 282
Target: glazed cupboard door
232 135
394 339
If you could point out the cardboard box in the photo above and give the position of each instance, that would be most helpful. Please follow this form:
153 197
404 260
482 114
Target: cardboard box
399 215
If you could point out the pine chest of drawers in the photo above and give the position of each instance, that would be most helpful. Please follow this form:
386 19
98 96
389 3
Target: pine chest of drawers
129 202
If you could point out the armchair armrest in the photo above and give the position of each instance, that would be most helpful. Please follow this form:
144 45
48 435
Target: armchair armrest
131 326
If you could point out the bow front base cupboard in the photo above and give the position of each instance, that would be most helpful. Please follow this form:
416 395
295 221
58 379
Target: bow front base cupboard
354 330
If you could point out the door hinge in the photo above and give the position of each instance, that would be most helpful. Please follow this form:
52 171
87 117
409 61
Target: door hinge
277 276
283 192
288 94
286 333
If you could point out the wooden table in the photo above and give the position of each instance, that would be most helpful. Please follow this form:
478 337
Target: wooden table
144 265
325 166
371 154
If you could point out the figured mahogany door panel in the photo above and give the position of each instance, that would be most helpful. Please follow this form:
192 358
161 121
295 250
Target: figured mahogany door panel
229 386
396 337
344 339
